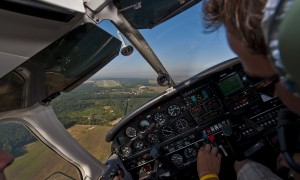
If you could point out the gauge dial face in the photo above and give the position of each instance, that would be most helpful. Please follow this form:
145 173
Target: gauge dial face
159 118
126 151
152 137
174 110
167 131
139 145
190 152
144 124
177 159
181 124
130 132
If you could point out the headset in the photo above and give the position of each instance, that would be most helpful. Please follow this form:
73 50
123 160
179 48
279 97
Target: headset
281 29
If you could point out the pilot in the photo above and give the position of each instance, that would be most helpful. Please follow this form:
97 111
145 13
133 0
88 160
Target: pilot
242 21
5 160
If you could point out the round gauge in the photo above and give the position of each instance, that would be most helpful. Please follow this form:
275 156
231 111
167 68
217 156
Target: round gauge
152 137
181 124
177 159
139 145
159 118
144 124
167 131
130 132
190 152
121 140
174 110
126 151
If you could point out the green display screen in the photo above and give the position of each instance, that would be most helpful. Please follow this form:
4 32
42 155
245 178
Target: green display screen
230 84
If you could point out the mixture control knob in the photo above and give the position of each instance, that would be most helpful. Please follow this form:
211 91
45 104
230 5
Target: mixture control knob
154 153
212 138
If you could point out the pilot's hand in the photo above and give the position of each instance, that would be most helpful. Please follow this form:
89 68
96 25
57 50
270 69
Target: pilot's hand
281 162
208 161
5 160
120 176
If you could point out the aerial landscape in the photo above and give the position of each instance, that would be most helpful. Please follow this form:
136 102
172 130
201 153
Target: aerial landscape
88 112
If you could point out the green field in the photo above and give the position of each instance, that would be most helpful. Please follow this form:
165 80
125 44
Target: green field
152 81
41 163
107 83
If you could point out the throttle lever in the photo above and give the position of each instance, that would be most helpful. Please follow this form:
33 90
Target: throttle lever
213 143
154 153
227 132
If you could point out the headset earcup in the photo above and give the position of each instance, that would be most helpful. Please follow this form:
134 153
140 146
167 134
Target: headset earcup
289 44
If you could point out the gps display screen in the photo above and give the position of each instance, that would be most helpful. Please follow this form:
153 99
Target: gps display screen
230 84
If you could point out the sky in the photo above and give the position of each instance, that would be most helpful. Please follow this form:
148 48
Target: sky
181 45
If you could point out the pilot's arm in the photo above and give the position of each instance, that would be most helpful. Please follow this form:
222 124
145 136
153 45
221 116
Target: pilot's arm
208 163
5 160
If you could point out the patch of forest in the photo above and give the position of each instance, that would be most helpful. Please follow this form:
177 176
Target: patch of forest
14 137
88 104
94 105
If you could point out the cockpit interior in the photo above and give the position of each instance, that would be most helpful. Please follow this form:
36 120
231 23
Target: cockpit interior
219 106
48 48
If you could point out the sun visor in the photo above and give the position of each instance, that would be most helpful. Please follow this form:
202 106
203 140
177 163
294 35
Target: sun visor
62 66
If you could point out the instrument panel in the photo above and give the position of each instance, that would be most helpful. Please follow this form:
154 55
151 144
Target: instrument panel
160 124
169 129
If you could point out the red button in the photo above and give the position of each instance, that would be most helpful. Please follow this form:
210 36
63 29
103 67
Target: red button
211 138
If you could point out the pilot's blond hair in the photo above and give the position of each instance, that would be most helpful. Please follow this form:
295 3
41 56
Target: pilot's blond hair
242 18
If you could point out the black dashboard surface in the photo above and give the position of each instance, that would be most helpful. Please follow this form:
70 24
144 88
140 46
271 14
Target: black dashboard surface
162 137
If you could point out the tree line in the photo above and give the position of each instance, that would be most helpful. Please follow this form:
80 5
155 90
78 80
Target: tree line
87 104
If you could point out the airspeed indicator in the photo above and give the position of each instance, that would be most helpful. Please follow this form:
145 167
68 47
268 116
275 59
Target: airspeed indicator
174 110
130 132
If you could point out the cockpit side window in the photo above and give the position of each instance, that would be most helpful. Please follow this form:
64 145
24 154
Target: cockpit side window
33 159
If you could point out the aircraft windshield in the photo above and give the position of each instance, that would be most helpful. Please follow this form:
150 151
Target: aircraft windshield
181 45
